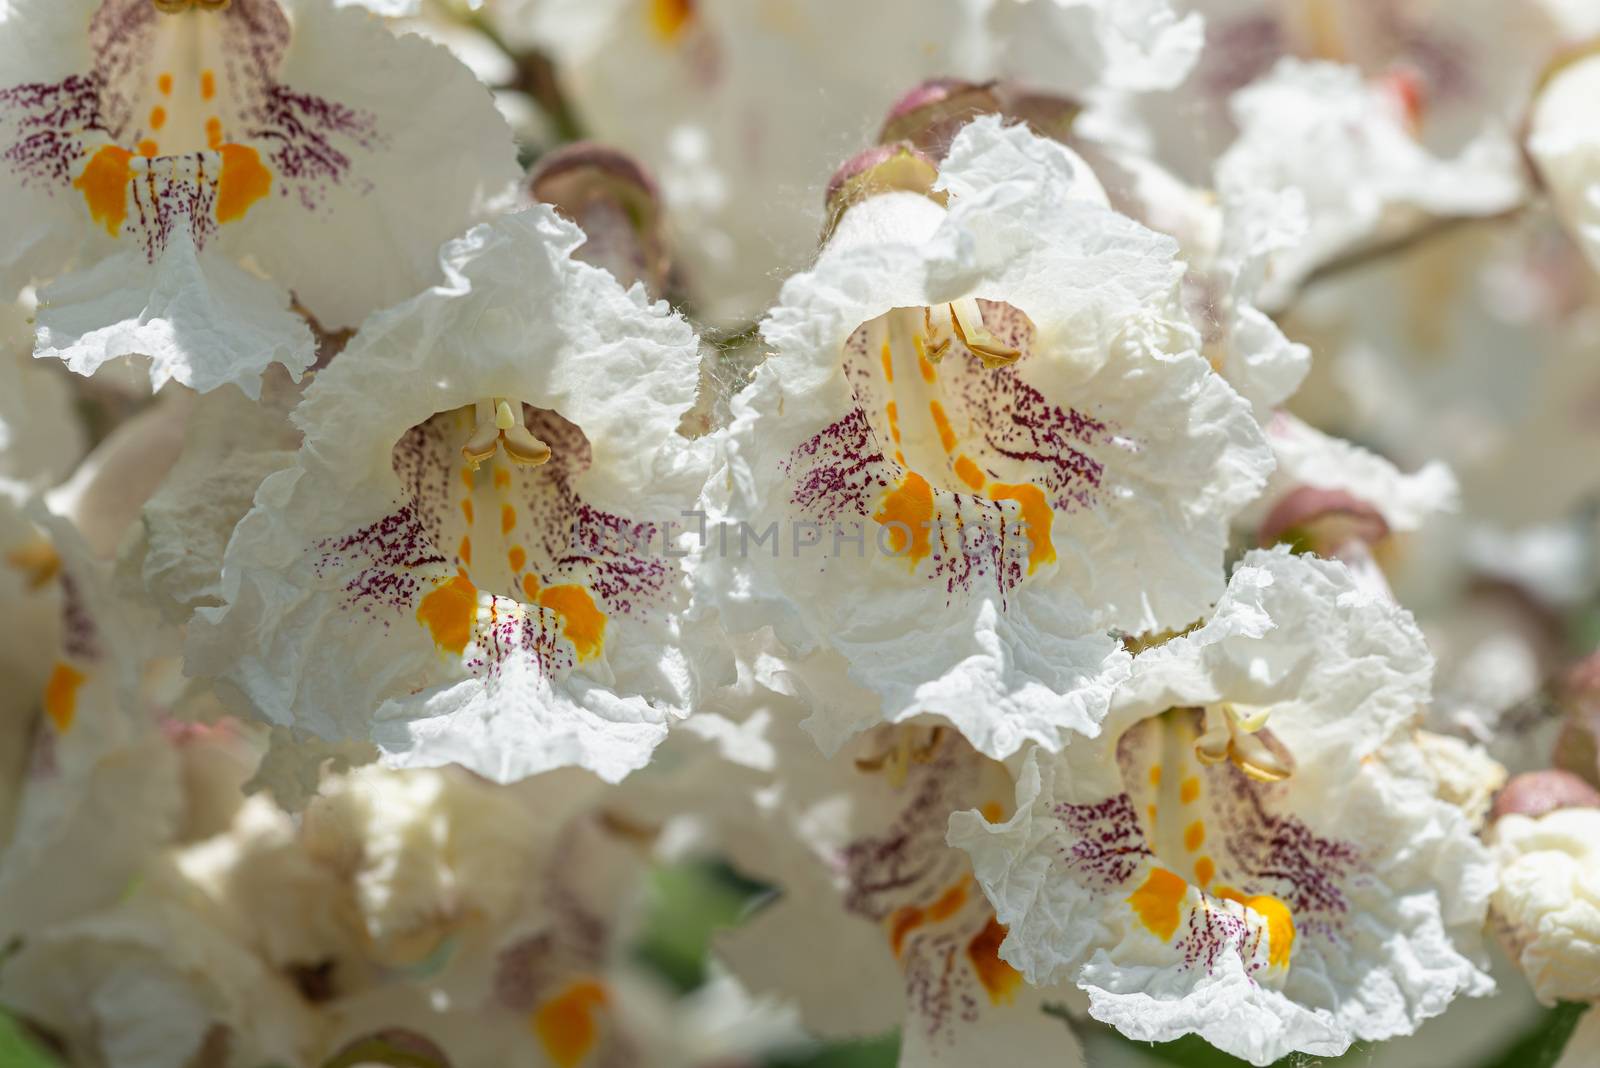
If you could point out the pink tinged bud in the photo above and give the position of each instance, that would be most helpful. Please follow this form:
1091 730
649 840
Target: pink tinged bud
930 115
615 200
1578 747
880 169
1322 521
1046 114
393 1046
1536 793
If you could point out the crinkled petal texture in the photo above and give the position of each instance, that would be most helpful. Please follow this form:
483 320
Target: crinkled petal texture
509 616
170 150
960 520
1565 144
1245 345
1292 886
1343 143
1547 907
199 318
856 847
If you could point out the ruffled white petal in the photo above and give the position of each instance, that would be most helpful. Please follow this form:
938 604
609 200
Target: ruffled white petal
1143 468
438 159
326 580
1548 901
1154 911
200 319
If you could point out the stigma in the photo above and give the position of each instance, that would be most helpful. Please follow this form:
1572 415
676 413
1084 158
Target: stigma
498 426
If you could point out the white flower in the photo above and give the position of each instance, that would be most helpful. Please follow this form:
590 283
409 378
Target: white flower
474 557
1255 853
1457 72
1342 143
87 754
1548 904
1564 141
190 169
1068 467
878 923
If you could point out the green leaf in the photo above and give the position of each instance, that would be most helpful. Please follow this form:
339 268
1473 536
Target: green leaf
1542 1044
18 1049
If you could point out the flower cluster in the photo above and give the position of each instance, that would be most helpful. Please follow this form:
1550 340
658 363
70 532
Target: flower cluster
1051 525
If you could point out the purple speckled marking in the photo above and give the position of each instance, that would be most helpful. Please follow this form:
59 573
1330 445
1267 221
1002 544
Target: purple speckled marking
574 943
1105 845
307 141
385 568
1209 933
1105 841
904 863
841 474
80 636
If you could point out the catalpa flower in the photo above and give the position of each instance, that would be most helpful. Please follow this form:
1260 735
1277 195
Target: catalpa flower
476 547
1564 141
984 437
193 162
1256 853
1344 145
869 889
1461 71
87 750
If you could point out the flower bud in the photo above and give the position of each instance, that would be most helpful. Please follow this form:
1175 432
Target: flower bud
614 199
930 115
1537 793
1577 749
1323 521
881 169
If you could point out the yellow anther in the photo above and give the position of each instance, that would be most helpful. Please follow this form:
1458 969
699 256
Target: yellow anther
523 447
1230 735
498 426
967 320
